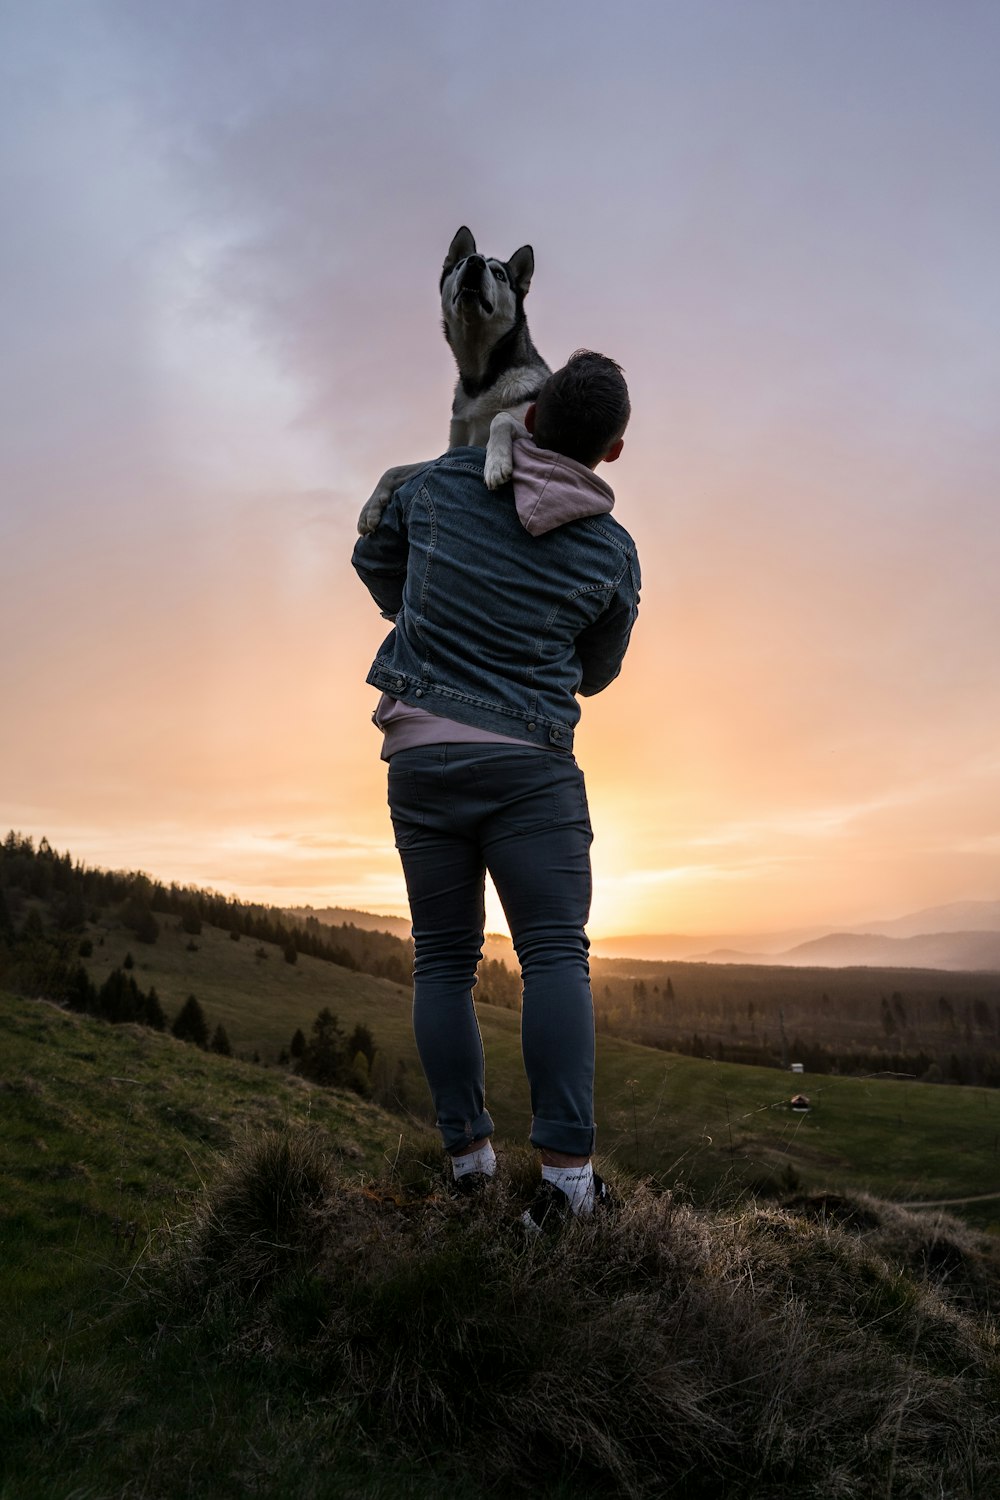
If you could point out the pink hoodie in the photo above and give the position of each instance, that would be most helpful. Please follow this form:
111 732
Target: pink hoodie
549 490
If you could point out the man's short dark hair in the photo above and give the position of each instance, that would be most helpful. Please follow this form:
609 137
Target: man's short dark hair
583 409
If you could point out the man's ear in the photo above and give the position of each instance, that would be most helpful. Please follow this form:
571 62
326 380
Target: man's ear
613 452
529 418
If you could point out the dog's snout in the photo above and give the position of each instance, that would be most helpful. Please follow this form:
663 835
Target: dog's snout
476 263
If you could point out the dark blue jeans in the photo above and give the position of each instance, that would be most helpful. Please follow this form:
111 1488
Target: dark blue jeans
458 811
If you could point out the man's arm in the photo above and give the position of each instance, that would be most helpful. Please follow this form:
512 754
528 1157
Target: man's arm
602 646
380 558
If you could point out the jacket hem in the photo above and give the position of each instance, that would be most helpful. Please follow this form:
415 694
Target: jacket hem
451 704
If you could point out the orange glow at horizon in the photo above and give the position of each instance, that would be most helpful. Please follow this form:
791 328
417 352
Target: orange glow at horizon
219 336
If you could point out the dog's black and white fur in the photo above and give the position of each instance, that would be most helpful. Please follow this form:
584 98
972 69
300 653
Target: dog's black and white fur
500 372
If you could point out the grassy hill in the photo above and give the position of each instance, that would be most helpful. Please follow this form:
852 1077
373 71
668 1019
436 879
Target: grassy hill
106 1130
675 1118
108 1135
221 1281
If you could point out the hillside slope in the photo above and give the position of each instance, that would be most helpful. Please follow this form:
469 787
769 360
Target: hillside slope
223 1282
658 1113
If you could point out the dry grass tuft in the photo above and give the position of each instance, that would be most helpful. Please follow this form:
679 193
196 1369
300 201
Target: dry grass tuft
264 1216
663 1350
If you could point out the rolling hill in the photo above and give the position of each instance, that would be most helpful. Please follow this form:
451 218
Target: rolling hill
678 1118
972 952
963 935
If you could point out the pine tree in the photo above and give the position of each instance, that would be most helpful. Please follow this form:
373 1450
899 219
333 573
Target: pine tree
137 915
113 999
190 1025
220 1042
154 1016
82 993
190 919
325 1058
360 1076
298 1044
147 928
361 1041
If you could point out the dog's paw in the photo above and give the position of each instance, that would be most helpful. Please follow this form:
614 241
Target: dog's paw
371 513
499 464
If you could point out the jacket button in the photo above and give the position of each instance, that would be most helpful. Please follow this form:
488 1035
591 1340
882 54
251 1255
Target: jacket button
531 726
400 681
419 693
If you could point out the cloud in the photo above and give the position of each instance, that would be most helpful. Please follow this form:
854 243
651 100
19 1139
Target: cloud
221 324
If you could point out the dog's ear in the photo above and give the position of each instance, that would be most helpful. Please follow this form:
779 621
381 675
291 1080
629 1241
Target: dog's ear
522 268
462 245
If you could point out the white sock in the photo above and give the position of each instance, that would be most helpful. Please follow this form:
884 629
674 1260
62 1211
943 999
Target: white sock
578 1185
481 1159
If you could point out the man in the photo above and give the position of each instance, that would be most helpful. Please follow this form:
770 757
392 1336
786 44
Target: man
506 606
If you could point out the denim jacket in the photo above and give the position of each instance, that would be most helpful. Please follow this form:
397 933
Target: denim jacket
495 627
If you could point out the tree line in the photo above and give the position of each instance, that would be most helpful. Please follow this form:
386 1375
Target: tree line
848 1021
73 892
44 961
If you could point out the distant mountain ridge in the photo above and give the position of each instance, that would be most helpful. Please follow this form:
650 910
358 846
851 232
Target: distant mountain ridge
957 916
495 945
962 935
972 951
340 916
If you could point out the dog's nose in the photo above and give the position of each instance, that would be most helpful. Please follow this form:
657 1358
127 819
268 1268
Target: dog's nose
475 262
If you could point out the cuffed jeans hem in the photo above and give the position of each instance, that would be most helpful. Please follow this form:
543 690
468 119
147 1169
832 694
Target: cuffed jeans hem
571 1140
454 1138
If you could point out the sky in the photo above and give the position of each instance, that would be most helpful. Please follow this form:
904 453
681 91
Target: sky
223 230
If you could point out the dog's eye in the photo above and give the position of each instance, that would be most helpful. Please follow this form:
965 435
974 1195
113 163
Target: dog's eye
499 274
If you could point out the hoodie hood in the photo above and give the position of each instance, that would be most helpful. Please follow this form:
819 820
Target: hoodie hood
551 489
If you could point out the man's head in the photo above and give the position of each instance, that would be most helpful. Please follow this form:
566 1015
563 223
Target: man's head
582 410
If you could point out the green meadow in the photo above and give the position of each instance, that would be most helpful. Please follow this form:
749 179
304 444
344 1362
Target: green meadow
677 1119
220 1280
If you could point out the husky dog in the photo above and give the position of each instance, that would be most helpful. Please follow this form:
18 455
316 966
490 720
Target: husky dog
500 372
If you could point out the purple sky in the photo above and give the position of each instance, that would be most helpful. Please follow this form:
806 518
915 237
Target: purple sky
223 229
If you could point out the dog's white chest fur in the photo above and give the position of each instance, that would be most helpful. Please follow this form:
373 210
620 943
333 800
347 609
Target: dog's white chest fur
472 415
